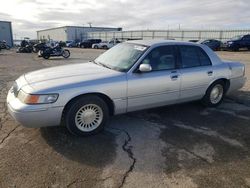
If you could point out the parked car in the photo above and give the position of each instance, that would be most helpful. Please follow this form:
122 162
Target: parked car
106 45
88 43
133 75
237 42
71 43
212 43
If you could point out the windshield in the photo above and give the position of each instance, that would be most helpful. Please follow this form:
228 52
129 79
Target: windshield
238 37
121 57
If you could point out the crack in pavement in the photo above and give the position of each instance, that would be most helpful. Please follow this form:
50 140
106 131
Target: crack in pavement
128 149
9 133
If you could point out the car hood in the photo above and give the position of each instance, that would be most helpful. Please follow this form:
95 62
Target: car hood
62 76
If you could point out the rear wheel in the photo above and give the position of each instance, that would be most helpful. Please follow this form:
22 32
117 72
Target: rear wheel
96 47
86 116
82 46
66 53
214 94
46 56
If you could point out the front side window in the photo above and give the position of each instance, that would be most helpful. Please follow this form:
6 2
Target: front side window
193 56
161 58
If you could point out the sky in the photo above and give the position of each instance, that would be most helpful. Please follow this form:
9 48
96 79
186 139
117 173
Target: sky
28 16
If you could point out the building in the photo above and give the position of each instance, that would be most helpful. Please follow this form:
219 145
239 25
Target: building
6 32
67 33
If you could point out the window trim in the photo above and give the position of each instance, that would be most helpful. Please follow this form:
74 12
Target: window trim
197 47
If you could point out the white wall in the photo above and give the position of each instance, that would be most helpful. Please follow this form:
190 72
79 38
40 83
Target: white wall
70 33
57 34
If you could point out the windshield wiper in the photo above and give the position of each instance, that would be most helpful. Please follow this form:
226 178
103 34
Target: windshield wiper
93 61
102 64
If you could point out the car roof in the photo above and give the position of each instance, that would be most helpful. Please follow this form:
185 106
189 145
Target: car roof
155 42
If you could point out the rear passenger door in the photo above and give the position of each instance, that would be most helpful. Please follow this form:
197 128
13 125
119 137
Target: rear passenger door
196 72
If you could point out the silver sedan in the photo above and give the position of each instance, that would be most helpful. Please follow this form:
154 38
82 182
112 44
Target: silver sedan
131 76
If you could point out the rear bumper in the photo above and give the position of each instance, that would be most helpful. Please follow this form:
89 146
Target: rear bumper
33 115
236 83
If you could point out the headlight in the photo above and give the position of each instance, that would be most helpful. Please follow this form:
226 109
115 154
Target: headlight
230 42
36 99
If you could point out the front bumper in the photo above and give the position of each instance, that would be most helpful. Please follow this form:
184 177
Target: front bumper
33 115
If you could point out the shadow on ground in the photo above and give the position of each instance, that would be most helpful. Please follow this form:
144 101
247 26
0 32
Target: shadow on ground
98 150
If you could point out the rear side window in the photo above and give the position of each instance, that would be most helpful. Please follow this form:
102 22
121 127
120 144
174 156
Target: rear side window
193 56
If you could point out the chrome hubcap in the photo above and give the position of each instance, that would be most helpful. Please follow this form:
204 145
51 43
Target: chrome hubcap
88 117
216 94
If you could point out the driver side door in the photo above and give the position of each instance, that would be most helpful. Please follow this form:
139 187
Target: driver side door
160 86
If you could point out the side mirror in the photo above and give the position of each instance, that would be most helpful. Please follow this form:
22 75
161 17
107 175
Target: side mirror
145 68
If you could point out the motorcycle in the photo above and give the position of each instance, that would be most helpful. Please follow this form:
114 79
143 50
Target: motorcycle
39 46
27 49
55 52
4 45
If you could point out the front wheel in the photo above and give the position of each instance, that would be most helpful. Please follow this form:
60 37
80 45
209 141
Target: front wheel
66 53
214 95
86 116
46 55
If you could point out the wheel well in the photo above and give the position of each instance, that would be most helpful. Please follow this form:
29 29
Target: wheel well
106 99
226 83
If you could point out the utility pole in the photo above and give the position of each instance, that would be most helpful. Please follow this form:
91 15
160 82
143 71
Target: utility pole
90 24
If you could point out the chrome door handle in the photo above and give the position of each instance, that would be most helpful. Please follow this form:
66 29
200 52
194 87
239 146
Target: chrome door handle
174 77
209 73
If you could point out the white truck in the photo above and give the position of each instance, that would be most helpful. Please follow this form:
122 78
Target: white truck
106 44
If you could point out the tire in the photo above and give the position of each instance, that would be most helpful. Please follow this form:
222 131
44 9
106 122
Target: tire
96 47
218 90
66 53
236 49
35 50
105 47
94 107
82 46
46 56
